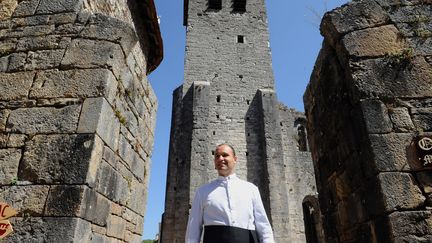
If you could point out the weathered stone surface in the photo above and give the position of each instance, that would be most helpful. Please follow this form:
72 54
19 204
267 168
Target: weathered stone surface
15 85
58 6
16 140
26 8
107 28
339 21
400 191
74 83
390 151
95 207
28 199
396 76
44 42
401 119
373 42
44 119
111 183
9 161
49 229
411 224
4 114
422 118
116 227
376 116
7 8
100 54
98 116
66 159
64 201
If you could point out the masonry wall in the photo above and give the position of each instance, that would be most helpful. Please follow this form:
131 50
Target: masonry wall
367 105
77 116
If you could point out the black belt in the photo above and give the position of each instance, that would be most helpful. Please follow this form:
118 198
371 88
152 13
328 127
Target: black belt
228 234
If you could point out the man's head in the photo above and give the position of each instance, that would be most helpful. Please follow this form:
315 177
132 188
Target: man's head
225 159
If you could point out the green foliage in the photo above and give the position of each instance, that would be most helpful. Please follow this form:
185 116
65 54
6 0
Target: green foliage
148 241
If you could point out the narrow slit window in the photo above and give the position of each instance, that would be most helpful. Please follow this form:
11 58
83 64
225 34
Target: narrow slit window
240 39
239 6
215 4
218 98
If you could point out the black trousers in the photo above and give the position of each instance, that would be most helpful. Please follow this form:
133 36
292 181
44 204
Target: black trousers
228 234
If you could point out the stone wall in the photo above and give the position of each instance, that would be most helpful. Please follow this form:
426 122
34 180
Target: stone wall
368 103
77 118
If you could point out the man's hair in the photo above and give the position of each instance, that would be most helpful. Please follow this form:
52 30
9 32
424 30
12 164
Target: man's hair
229 145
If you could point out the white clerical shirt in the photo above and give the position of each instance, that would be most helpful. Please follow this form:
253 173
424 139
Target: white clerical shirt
228 201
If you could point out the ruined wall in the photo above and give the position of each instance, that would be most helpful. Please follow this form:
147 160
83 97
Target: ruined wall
298 166
77 116
368 103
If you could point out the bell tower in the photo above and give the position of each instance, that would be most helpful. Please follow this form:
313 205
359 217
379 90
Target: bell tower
227 97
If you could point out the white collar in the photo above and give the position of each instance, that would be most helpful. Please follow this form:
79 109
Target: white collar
226 178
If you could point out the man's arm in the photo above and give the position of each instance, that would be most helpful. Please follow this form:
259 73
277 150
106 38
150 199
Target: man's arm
194 227
262 224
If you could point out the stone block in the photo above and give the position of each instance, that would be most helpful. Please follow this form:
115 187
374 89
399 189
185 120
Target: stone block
137 198
7 8
7 47
116 227
26 8
422 118
44 59
339 21
373 42
30 21
104 27
3 140
25 31
110 157
44 120
65 159
400 191
98 53
100 238
49 229
4 114
401 119
94 207
9 161
15 85
74 83
43 42
376 116
415 223
58 6
107 180
97 116
399 75
64 201
390 151
16 140
28 199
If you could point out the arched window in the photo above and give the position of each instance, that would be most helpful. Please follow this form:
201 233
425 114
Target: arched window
300 126
215 4
239 6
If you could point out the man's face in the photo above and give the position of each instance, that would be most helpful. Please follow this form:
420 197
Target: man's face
224 160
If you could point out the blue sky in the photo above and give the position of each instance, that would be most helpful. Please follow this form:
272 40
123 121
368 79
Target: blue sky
295 42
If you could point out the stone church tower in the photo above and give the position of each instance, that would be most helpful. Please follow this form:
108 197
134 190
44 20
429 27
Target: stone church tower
228 96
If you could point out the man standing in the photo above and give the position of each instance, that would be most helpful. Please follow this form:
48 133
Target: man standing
230 209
